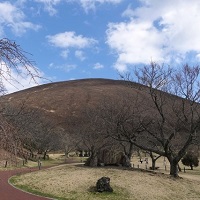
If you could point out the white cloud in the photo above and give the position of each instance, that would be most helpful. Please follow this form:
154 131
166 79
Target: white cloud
20 2
49 5
19 80
70 40
157 30
64 67
133 43
129 12
11 16
121 67
80 55
198 57
65 53
91 4
98 66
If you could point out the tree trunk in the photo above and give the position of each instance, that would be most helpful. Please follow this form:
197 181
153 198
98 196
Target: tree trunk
45 154
92 161
66 153
174 168
153 164
153 159
125 161
31 154
179 168
6 163
191 166
130 151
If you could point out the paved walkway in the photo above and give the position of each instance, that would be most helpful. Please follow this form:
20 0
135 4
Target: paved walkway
7 192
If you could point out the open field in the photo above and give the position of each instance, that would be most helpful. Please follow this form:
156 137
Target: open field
72 181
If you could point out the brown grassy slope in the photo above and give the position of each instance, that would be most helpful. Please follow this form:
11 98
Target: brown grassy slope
60 100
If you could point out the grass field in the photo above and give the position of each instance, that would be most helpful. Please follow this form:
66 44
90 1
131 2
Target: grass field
78 182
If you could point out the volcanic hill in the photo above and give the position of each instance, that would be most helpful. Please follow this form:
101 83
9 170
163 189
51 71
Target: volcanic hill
58 101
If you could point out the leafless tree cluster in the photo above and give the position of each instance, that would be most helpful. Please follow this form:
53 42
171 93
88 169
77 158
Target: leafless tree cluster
9 140
170 123
162 118
12 59
87 134
121 120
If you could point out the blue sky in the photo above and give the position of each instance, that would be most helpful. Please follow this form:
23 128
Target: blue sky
75 39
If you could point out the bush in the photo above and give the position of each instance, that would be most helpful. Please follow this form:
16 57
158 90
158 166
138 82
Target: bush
190 159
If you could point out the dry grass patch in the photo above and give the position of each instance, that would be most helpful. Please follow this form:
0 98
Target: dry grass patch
77 182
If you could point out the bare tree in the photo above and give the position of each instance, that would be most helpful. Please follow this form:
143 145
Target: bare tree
87 133
172 123
35 131
9 139
45 135
13 57
122 121
13 60
154 158
68 141
93 135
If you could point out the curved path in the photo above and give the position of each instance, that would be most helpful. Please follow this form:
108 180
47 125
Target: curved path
8 192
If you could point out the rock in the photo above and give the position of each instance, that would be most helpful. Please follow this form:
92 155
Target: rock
103 185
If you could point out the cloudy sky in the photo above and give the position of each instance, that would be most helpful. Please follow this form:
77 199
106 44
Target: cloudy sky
75 39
